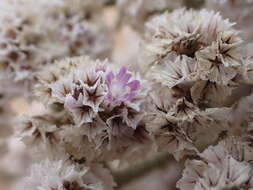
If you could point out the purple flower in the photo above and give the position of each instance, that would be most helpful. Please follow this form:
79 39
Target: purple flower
120 88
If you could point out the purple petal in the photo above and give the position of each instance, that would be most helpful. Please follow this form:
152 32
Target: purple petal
123 77
109 96
134 85
100 69
109 78
122 72
129 96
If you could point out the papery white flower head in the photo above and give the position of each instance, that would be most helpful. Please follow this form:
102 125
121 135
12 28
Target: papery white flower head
39 133
52 73
219 62
224 166
82 92
106 102
233 175
28 41
62 175
183 33
210 94
195 63
178 72
165 122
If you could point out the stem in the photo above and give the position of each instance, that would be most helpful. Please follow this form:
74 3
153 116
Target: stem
138 170
193 3
110 2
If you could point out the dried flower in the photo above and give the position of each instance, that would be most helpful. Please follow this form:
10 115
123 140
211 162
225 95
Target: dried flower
107 107
62 175
225 166
194 61
28 41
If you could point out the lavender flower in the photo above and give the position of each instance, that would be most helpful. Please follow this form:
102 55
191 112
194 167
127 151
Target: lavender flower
120 88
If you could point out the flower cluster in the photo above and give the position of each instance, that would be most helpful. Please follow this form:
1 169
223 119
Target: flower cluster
29 40
63 175
190 94
195 61
101 101
95 113
227 165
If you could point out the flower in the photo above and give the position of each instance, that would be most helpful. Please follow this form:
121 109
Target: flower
194 61
178 72
218 63
29 42
107 109
39 132
210 94
81 113
63 175
224 166
81 91
120 88
184 33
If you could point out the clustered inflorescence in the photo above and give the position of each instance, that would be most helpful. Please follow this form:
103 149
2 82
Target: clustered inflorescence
29 41
191 96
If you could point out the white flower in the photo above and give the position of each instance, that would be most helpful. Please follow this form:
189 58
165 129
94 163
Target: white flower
210 94
80 112
183 110
39 131
218 64
30 41
184 32
234 174
175 72
51 74
224 166
174 139
80 89
62 175
94 96
61 89
107 104
166 35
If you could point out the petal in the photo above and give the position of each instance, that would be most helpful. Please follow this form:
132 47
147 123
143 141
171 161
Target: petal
122 72
109 78
134 85
70 102
129 96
